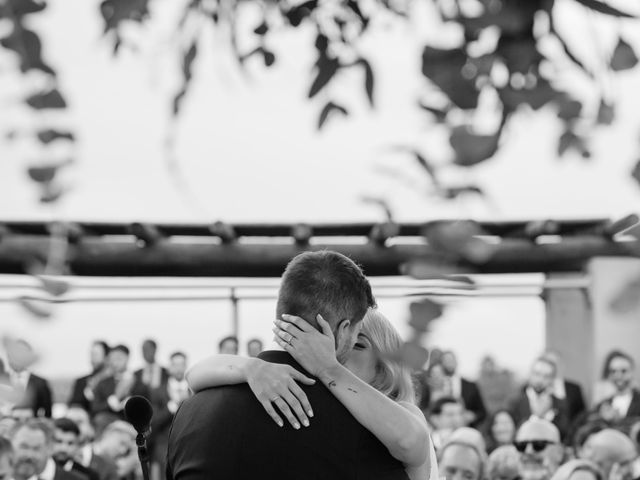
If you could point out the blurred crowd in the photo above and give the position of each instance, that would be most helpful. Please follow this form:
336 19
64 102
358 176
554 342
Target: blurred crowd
491 428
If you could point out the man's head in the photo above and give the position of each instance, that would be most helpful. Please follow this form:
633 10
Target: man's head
620 370
119 358
20 354
228 345
117 440
449 362
504 463
98 354
149 349
254 347
447 413
543 373
7 459
177 365
66 440
459 460
611 449
538 442
32 443
80 417
329 284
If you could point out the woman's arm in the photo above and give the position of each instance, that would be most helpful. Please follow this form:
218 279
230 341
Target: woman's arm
400 429
269 382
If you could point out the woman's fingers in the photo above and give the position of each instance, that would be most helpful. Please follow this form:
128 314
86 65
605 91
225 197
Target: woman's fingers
299 322
272 413
324 325
286 336
297 407
284 408
302 398
301 377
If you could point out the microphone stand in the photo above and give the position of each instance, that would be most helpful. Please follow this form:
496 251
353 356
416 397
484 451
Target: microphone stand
143 454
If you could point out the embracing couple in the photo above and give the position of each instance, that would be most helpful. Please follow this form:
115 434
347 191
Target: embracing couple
349 406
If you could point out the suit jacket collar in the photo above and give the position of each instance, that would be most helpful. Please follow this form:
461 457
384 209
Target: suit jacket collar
274 356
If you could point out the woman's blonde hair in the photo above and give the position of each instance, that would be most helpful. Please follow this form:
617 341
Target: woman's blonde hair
392 377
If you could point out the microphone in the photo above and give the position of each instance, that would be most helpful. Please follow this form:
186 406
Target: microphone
138 412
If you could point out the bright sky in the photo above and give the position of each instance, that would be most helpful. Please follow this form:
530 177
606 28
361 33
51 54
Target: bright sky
248 151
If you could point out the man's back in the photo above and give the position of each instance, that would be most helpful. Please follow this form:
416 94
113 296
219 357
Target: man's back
225 433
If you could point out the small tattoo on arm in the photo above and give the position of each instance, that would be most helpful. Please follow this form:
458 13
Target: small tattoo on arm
352 390
332 383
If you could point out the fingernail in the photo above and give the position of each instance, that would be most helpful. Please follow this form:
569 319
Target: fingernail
296 426
280 424
306 423
310 412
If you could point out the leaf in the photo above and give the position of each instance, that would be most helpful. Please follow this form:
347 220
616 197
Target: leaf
42 174
470 148
298 13
187 65
368 78
261 29
569 108
24 7
51 99
423 313
327 68
606 113
602 7
569 140
28 47
327 109
413 356
623 58
115 11
36 307
48 136
459 239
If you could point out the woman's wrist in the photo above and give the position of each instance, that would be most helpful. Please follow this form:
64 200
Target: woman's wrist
249 367
329 374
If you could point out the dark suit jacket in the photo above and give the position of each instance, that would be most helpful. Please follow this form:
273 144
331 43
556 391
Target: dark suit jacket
164 375
224 433
574 400
105 388
634 407
160 423
61 474
37 397
521 411
472 399
106 468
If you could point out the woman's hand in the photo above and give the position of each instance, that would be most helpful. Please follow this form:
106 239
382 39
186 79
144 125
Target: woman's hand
276 383
314 350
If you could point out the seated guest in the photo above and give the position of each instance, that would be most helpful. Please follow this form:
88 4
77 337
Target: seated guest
82 392
578 470
254 347
504 463
459 460
613 452
117 443
228 345
625 400
66 445
112 392
6 459
567 390
541 452
36 393
33 444
537 398
446 416
152 374
499 430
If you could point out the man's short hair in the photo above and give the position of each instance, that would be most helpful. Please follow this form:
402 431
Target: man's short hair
102 344
613 354
67 425
482 456
326 283
151 342
119 426
544 359
6 449
438 405
255 340
121 348
227 339
178 354
37 423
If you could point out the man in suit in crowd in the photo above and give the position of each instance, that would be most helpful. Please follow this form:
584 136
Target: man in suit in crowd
7 458
86 455
33 445
613 452
112 392
254 347
625 402
117 443
461 460
445 416
66 444
537 398
153 375
82 393
567 390
166 401
35 390
224 432
228 345
457 387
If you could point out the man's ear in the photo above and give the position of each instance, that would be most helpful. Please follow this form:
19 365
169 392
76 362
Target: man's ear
341 329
